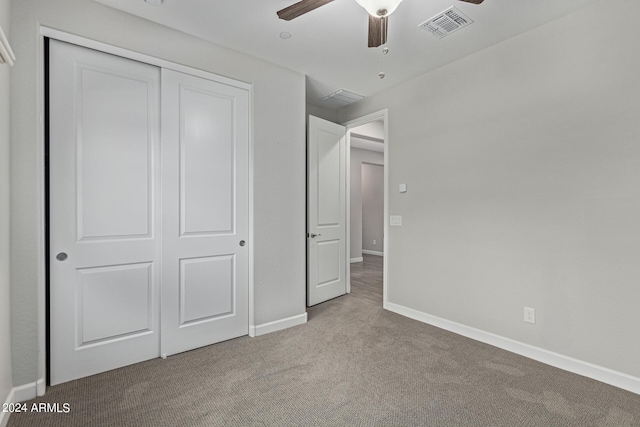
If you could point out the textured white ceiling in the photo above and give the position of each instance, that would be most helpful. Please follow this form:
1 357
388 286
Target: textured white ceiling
329 44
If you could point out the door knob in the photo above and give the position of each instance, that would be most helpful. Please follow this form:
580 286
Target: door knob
61 256
242 243
312 235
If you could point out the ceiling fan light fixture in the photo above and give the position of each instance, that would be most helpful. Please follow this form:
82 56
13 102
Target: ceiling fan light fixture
379 8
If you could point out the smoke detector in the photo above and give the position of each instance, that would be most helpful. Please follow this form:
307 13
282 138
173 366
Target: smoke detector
447 22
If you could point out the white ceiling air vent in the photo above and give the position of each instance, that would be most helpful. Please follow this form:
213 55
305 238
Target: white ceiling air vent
447 22
342 97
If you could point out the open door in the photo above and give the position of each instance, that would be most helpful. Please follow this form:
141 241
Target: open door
326 211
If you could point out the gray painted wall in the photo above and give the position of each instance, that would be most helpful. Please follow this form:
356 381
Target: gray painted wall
278 157
372 207
357 157
523 170
6 383
323 113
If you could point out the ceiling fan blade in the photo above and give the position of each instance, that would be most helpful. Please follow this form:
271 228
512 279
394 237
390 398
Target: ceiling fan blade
300 8
378 30
473 1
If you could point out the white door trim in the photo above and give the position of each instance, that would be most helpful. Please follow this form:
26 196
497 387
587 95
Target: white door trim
40 384
141 57
384 116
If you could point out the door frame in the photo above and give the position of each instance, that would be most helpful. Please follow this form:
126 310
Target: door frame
39 387
384 116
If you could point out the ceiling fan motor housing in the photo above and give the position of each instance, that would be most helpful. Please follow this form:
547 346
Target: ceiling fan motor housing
379 7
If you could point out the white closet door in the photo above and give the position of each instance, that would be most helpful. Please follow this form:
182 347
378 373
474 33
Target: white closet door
127 230
104 166
205 158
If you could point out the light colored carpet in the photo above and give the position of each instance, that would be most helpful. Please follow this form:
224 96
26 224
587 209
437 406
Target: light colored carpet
352 364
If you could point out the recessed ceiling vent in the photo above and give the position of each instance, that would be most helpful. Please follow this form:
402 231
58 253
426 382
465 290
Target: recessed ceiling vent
447 22
342 97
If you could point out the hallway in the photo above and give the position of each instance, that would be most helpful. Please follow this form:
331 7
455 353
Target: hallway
366 278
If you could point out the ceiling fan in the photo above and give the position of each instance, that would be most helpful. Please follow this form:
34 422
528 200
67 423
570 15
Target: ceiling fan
379 11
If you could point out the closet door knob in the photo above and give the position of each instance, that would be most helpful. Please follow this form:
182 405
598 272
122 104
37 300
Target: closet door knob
61 256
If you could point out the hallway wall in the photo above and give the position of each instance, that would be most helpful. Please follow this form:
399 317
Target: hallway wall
358 156
372 207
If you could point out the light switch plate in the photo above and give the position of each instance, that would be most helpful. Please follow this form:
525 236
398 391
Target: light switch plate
395 220
402 188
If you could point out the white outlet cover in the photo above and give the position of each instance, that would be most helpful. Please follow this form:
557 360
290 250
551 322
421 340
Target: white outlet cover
395 220
530 315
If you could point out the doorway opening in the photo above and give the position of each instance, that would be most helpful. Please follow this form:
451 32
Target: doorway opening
329 228
367 198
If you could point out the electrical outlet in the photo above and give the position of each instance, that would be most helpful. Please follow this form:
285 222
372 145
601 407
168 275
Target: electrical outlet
374 242
530 315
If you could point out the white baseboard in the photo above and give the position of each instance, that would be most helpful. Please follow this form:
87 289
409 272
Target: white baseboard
586 369
376 253
41 387
278 325
4 416
25 392
20 394
356 260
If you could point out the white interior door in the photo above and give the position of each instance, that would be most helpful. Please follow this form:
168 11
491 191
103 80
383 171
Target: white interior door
104 152
205 158
326 211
